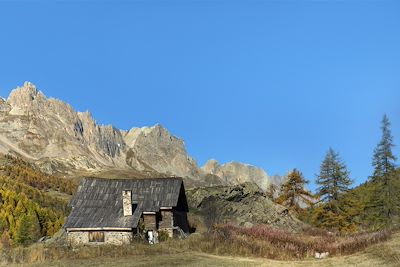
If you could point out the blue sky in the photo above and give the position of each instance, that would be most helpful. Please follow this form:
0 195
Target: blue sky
270 83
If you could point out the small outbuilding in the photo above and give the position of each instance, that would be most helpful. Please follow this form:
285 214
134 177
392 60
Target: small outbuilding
112 211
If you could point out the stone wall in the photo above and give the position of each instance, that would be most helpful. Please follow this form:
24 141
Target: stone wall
78 238
150 222
118 238
166 220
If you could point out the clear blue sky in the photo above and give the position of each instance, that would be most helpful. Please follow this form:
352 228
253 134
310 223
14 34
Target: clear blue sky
270 83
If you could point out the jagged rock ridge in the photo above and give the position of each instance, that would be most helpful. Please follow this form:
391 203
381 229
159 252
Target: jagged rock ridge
59 139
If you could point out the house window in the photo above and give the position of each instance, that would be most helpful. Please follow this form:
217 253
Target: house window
96 236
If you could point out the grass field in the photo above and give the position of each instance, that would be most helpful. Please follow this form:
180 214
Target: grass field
383 255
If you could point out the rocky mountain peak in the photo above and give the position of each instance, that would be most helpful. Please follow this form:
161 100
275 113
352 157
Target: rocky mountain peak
156 133
27 93
28 90
51 132
25 98
211 166
155 146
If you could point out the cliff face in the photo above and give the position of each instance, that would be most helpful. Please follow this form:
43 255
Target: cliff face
59 139
37 127
156 147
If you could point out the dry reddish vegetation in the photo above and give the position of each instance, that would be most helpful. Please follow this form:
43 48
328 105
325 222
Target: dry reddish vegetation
264 241
226 239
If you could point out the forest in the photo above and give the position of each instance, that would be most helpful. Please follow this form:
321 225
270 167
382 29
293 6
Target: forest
32 204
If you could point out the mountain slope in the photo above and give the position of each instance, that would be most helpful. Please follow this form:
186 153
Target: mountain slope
52 134
32 204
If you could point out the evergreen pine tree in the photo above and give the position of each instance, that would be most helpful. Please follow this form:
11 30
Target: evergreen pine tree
333 178
381 206
383 159
333 181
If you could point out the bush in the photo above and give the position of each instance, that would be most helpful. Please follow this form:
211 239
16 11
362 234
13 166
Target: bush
163 235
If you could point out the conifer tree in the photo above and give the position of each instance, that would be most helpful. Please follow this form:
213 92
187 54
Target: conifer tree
383 159
22 230
20 208
35 230
293 191
381 206
333 178
350 206
26 211
333 181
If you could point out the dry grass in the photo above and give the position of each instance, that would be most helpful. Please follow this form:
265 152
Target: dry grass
188 253
385 254
263 241
42 253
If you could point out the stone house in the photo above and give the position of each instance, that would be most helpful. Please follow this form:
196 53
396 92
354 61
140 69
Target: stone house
112 211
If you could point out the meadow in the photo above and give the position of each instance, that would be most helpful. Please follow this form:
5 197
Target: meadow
211 250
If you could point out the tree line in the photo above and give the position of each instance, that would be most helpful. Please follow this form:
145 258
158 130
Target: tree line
32 204
338 207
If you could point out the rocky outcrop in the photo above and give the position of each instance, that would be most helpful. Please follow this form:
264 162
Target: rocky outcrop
52 134
236 173
244 204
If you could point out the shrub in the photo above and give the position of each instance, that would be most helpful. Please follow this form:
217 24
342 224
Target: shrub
163 235
264 241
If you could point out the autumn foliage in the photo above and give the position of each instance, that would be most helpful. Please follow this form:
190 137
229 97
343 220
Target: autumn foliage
28 210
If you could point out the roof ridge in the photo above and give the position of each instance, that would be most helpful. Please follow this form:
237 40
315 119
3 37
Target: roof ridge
131 179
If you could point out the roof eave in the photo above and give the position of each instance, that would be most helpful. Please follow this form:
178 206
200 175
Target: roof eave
99 229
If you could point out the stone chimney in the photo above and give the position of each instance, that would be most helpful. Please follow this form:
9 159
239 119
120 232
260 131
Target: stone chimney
127 202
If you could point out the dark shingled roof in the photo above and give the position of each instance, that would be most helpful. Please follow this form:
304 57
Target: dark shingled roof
98 202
